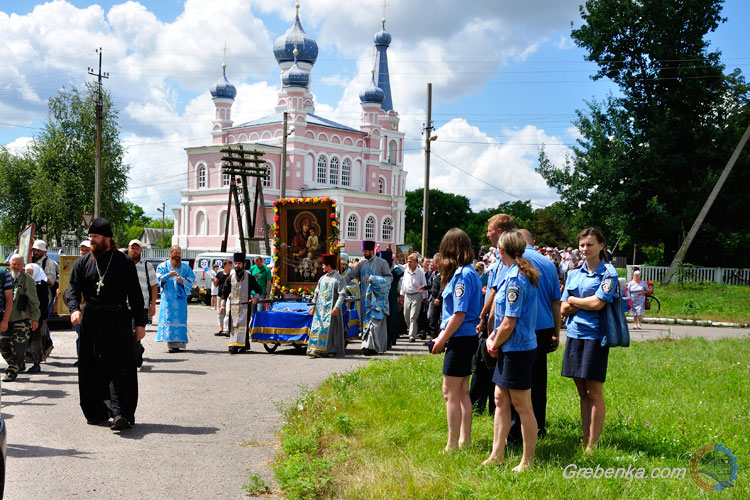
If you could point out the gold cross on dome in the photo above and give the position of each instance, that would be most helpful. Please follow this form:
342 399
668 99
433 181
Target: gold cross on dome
224 62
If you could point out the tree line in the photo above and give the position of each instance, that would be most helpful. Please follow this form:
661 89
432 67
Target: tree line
51 183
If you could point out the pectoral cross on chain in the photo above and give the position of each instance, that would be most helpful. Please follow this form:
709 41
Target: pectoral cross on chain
99 285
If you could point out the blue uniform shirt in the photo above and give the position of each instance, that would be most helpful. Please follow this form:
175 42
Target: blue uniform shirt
516 298
463 294
582 283
548 288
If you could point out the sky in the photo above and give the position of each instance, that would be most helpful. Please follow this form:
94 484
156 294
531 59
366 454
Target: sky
506 78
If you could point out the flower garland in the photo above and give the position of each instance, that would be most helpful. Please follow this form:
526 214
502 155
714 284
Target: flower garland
333 241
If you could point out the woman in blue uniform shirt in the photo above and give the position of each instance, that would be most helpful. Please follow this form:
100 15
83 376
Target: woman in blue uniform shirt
514 344
462 303
587 289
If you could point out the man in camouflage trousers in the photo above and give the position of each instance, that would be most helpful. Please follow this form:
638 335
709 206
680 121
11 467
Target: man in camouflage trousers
13 341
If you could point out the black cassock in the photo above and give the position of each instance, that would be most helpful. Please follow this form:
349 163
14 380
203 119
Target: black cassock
107 376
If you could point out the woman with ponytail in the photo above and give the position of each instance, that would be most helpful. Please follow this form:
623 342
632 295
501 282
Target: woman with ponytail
587 289
462 303
513 343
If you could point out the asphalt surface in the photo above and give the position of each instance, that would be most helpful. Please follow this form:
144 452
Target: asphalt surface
206 419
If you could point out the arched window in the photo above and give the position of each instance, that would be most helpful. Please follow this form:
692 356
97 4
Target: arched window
381 186
370 228
202 176
223 222
387 229
352 226
322 164
267 177
333 176
346 172
200 224
225 179
392 156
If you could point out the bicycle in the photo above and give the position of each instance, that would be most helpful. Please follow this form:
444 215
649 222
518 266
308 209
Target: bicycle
652 301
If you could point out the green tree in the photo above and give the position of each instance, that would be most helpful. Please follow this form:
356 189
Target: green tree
15 195
446 211
649 157
64 155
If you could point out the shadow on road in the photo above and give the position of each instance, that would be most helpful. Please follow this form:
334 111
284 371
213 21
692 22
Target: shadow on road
148 369
25 451
140 430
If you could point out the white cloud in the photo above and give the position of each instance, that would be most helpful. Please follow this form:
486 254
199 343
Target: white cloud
508 166
19 145
564 43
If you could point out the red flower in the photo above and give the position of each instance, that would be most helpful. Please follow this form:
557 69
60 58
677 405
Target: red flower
276 218
333 215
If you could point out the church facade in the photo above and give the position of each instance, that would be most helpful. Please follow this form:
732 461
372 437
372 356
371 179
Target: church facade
361 168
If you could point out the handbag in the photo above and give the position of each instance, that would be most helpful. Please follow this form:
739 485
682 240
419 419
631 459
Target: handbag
613 322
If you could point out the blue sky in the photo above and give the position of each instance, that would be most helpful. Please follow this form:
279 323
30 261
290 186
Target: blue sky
506 78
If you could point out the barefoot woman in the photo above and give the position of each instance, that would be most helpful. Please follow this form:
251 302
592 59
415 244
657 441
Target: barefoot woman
462 303
587 289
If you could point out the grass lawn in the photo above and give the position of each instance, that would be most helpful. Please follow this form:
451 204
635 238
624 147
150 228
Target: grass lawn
711 301
376 432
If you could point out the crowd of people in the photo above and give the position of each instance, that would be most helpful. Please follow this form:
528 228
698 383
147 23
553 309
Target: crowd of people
496 317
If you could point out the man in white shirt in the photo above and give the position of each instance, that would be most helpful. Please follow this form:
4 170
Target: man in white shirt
412 285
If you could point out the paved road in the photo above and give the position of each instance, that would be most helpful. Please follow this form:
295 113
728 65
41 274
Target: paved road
206 420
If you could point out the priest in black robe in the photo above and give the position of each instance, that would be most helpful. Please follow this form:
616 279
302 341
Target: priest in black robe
108 282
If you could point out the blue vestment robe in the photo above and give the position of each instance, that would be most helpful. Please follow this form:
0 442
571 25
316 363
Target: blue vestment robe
174 297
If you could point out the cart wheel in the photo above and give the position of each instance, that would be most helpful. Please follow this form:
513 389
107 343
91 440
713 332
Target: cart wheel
299 347
270 347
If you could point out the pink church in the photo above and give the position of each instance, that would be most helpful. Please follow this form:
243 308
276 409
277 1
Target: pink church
362 169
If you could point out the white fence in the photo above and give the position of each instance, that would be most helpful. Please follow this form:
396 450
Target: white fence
730 276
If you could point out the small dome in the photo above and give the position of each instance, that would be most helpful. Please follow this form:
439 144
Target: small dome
382 38
372 94
295 77
283 47
223 88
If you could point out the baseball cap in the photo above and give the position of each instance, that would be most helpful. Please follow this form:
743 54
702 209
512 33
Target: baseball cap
40 245
135 242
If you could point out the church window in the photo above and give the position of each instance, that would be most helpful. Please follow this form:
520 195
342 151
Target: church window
333 176
387 229
381 186
392 154
322 167
370 228
202 176
267 178
346 172
352 226
225 179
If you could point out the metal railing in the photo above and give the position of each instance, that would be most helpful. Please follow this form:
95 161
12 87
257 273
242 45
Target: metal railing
730 276
156 253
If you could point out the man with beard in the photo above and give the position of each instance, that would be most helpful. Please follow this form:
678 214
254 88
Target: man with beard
176 280
147 280
327 335
108 282
237 291
375 278
23 318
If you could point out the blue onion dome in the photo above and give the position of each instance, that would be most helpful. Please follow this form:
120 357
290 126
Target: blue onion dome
283 47
382 37
223 88
373 93
295 77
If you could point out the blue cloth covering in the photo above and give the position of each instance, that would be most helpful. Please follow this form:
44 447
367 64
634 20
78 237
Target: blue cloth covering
516 298
285 323
174 296
602 283
376 299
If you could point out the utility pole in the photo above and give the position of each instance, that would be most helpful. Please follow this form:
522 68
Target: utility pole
706 207
283 156
163 211
99 113
428 138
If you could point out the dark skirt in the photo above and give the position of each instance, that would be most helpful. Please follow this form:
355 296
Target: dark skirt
458 354
585 359
513 369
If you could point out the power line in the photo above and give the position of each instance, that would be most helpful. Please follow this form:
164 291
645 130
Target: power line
482 180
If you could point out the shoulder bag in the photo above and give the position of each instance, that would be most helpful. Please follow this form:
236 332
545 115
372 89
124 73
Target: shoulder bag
613 323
